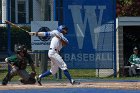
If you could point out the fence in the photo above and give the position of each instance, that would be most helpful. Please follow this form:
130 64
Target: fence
91 33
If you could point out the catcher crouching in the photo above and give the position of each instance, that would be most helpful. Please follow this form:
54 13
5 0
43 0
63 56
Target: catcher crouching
18 63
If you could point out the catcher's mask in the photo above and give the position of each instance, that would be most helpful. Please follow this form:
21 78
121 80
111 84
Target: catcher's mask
21 48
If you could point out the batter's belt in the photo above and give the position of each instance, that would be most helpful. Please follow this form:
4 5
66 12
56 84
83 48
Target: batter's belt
54 49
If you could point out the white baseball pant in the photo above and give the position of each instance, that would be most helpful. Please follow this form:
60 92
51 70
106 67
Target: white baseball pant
56 61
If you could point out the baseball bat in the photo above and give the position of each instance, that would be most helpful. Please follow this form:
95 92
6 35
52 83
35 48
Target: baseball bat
12 24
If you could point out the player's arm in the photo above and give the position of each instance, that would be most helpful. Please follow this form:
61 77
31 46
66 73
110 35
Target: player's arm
51 33
7 61
62 38
131 59
11 60
31 62
42 34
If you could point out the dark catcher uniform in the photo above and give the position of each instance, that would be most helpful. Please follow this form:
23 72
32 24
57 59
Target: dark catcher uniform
18 63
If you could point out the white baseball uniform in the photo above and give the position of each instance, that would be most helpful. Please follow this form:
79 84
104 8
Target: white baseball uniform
55 47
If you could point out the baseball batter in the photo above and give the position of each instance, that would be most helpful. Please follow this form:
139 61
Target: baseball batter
57 42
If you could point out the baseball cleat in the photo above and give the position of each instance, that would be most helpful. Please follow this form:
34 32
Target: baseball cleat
5 81
39 81
21 81
73 82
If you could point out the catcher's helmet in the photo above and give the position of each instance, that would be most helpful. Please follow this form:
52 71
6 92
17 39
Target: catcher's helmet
24 48
61 28
20 48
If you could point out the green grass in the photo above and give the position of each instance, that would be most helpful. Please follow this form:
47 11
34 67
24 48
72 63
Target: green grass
2 74
75 73
82 73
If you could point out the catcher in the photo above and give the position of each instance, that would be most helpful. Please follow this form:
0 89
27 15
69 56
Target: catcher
18 63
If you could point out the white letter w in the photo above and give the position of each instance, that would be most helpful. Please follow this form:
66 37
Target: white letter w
93 20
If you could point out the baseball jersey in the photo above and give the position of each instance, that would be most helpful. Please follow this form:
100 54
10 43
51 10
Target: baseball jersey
134 59
56 42
19 62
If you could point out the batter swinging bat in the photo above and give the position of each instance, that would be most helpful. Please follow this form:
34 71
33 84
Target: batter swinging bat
12 24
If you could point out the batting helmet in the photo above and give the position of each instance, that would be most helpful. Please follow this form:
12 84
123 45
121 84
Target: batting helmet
61 28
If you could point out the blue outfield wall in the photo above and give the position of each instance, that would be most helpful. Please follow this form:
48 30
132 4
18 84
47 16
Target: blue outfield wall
91 33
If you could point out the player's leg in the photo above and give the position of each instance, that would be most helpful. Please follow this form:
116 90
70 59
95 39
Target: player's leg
47 73
25 77
130 71
24 74
53 70
9 76
60 62
57 59
133 68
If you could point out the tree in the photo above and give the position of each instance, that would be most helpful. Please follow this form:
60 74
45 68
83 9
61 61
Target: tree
128 8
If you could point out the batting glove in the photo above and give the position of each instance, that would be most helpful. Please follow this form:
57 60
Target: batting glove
32 33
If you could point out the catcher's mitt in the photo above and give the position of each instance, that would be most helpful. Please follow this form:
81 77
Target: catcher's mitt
32 74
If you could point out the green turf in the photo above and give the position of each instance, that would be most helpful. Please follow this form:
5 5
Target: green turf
75 73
